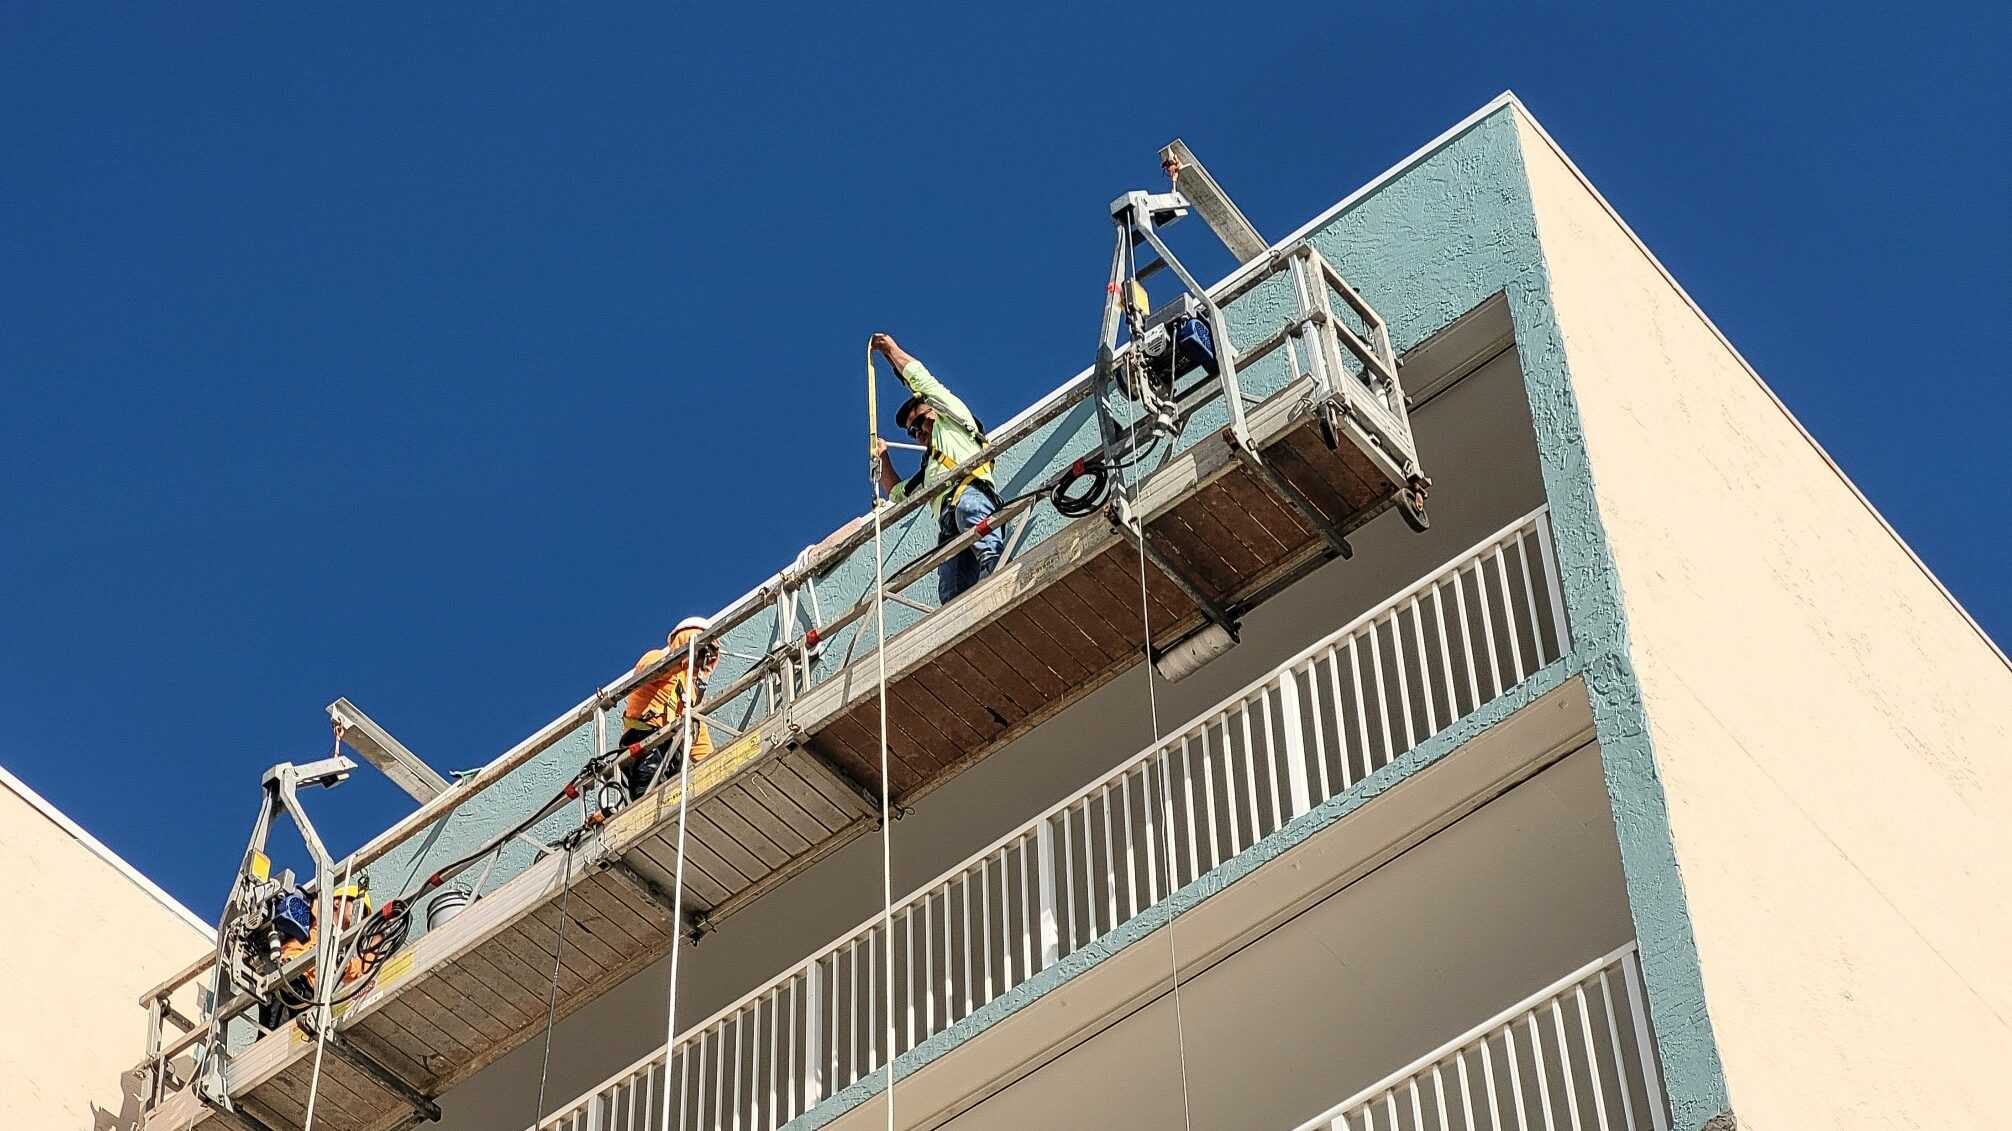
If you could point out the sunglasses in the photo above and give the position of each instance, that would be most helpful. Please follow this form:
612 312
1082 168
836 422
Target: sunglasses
915 425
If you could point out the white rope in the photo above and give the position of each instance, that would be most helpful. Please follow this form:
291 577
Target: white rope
678 880
1166 787
880 657
331 946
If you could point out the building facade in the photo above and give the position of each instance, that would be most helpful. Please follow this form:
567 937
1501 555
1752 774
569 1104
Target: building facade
1656 785
86 936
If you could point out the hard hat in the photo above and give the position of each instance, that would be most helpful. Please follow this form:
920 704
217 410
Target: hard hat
357 891
700 623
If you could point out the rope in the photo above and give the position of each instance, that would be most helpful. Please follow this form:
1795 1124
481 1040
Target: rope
678 880
552 997
880 657
325 982
1166 796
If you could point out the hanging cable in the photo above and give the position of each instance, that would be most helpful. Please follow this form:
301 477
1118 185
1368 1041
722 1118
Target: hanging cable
880 657
690 707
552 996
1167 801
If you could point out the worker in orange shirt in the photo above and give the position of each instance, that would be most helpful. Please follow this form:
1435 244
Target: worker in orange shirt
352 905
662 699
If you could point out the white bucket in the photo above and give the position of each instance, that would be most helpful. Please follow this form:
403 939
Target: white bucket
446 906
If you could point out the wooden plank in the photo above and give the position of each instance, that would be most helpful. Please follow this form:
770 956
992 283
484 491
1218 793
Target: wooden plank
415 1019
607 917
831 746
963 713
278 1096
1188 551
336 1103
513 977
593 955
532 944
1224 531
1284 530
661 852
1063 616
1234 515
1121 582
1070 597
788 808
982 693
1027 630
361 1099
810 786
860 730
370 1041
1204 545
913 712
760 811
1028 680
466 998
392 1027
650 918
421 995
723 816
1117 597
566 1006
707 837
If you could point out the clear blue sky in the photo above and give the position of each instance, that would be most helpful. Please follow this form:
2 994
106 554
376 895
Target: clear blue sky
356 355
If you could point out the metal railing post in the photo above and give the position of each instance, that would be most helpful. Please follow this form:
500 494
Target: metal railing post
1051 935
1295 743
813 1028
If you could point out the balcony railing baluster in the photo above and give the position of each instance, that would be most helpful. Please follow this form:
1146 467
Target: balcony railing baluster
807 1045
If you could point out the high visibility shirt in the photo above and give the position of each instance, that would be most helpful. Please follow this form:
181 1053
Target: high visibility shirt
952 440
660 699
290 950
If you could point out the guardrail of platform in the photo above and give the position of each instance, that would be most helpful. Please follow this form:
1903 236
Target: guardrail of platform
1311 729
773 634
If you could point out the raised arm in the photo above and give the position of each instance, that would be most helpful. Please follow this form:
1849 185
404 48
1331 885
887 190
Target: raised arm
897 358
923 383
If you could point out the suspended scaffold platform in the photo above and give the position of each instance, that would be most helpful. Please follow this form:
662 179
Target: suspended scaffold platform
1236 485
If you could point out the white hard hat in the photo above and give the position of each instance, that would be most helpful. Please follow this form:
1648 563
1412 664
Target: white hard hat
700 623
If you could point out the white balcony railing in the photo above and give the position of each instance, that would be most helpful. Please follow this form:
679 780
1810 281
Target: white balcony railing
1309 730
1575 1054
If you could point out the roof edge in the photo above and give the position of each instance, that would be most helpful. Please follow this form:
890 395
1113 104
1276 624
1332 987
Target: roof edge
97 848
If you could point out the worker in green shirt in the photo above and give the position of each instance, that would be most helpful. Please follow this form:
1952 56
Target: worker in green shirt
941 424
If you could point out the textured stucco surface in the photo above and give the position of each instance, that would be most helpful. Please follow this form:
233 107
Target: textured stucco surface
84 942
1827 727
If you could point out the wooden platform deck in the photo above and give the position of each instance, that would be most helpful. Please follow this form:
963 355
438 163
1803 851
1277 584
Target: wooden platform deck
1045 630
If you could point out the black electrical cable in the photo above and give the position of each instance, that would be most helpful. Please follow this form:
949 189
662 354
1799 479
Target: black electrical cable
1071 503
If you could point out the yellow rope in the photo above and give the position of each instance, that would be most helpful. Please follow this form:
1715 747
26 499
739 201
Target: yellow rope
880 656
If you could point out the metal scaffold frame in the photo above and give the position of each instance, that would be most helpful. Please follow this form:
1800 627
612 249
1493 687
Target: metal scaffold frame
1340 378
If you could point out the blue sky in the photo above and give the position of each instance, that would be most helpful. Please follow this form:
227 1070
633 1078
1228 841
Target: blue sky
358 357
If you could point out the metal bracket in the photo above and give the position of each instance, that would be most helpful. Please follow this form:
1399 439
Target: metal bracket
1122 520
389 755
421 1103
1284 488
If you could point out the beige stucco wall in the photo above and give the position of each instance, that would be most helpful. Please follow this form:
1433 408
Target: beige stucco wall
81 941
1831 730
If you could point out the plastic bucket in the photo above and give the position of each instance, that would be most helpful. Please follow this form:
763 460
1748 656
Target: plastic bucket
446 906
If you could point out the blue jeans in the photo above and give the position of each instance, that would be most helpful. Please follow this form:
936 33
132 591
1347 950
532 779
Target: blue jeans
976 562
